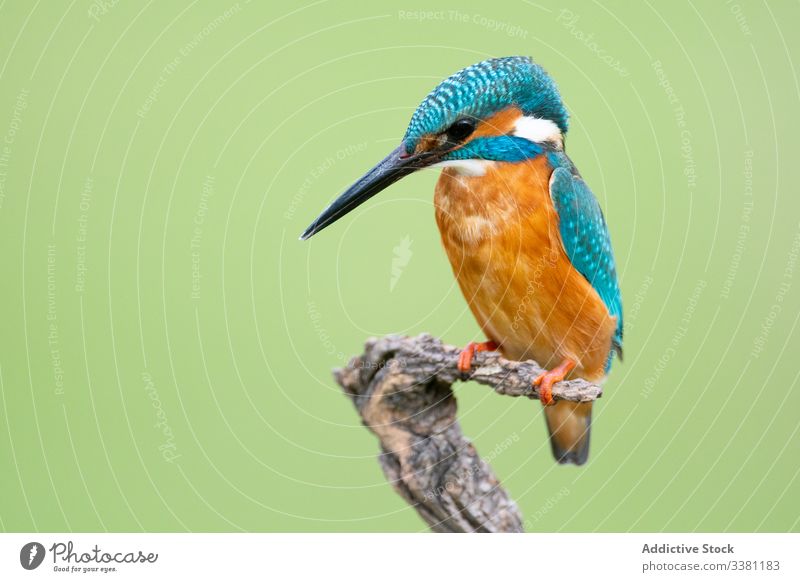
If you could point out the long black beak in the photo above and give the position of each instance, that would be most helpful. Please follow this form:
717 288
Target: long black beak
396 165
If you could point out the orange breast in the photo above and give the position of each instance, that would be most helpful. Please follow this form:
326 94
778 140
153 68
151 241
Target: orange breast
500 232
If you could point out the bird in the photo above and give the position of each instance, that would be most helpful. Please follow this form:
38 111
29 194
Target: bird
525 236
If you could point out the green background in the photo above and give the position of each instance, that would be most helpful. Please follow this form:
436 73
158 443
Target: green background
167 342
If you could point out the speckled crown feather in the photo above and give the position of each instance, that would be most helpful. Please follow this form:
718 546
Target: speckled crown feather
483 89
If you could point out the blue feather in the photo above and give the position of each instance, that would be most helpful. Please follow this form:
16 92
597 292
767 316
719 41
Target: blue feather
501 148
483 89
585 237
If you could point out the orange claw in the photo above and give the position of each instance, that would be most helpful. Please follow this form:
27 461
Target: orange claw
545 380
465 358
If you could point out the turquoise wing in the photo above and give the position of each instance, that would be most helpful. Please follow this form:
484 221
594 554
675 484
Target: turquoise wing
586 241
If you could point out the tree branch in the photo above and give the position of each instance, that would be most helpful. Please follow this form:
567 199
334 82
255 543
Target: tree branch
401 388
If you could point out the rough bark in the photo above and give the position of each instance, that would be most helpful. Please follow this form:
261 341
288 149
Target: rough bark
401 387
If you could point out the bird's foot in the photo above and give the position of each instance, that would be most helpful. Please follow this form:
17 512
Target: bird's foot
465 358
545 380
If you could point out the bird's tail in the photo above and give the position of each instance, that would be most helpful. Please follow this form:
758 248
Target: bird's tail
569 426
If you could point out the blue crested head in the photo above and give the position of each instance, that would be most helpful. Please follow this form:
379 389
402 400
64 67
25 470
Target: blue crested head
485 88
503 110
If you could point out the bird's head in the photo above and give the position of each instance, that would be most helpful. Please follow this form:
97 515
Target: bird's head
499 110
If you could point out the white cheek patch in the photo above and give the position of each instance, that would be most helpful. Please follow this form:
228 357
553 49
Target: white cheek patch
538 130
466 167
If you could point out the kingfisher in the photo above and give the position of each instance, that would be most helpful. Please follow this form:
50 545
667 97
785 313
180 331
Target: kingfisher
524 234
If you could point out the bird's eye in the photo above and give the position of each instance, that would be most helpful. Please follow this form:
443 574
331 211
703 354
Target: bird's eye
460 130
